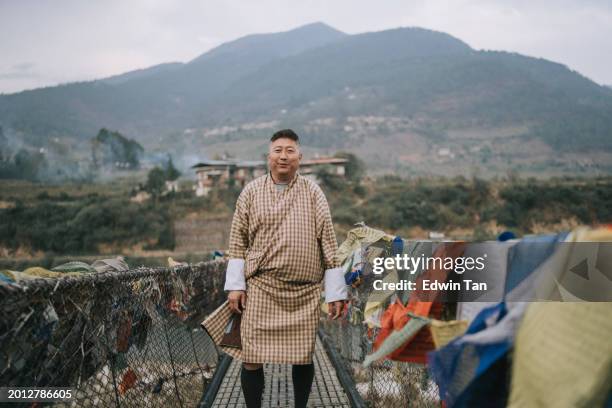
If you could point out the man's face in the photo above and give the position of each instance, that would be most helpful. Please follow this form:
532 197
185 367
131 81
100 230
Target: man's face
284 158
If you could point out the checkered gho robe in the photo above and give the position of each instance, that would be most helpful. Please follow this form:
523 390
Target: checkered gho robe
287 241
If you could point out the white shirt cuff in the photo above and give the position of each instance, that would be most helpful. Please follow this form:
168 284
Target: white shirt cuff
335 287
234 275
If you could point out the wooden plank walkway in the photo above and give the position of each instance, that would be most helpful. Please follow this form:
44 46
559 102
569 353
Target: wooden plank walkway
326 388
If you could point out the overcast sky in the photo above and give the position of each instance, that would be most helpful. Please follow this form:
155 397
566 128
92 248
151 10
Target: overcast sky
46 42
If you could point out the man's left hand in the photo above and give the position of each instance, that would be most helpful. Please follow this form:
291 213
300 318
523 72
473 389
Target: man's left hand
335 309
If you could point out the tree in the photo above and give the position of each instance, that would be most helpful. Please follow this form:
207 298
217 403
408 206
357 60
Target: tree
329 180
29 165
172 172
5 153
109 148
156 181
355 167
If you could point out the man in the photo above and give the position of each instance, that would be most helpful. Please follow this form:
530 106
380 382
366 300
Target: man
282 245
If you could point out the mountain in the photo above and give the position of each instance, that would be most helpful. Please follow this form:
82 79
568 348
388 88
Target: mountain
142 73
407 99
152 101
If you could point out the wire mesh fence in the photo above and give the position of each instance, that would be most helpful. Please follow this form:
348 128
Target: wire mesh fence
117 338
385 383
134 339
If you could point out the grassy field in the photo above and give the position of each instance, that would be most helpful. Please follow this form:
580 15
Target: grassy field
49 224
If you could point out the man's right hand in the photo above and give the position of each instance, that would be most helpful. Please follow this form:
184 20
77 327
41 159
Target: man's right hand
237 300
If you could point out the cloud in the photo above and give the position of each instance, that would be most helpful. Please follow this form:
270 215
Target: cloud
21 70
24 66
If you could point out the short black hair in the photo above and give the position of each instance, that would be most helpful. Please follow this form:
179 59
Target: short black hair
287 134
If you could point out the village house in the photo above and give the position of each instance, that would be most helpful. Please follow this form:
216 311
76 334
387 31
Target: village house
212 174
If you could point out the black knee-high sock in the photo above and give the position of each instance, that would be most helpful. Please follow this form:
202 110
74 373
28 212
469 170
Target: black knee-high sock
252 382
302 376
